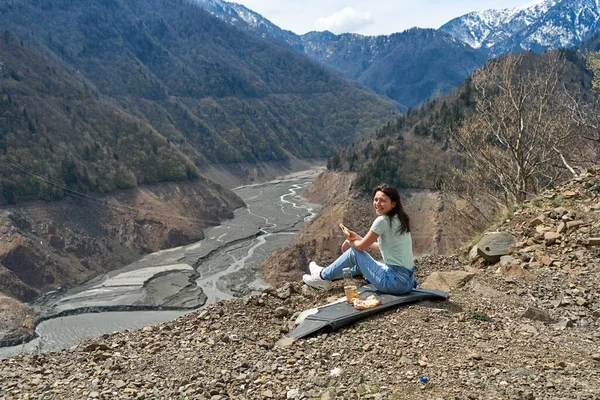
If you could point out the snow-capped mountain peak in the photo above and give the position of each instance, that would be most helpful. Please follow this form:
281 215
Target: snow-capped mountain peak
489 27
536 26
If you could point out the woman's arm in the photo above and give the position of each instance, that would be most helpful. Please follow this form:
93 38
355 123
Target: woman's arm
368 242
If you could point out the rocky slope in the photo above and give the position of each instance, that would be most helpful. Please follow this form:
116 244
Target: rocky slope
47 245
501 334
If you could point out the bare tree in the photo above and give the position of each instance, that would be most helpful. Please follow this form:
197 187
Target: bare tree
586 114
518 140
593 64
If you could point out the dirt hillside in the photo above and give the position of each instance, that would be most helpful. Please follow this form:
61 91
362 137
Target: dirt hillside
47 245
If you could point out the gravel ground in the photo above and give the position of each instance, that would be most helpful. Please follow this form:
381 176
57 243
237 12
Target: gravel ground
528 328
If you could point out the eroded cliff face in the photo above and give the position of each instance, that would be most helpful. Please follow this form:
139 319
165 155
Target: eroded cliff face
432 230
46 245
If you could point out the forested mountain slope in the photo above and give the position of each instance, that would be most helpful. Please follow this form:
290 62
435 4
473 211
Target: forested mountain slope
196 85
408 67
415 150
55 129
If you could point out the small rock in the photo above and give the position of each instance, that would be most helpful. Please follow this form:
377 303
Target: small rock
473 255
547 261
285 342
551 238
581 301
284 293
506 260
281 312
536 221
574 224
595 241
447 280
328 395
264 344
306 291
564 324
556 303
560 211
538 315
406 361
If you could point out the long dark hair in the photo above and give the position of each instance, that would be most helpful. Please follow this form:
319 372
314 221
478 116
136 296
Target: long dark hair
391 192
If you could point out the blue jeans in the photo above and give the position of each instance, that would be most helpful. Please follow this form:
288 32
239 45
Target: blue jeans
393 279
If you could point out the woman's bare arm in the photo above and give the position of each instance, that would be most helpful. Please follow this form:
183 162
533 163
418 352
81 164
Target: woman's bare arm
361 244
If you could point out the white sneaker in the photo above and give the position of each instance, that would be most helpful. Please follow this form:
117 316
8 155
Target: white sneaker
315 270
316 282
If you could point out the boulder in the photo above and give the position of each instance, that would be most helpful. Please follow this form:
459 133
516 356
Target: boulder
494 245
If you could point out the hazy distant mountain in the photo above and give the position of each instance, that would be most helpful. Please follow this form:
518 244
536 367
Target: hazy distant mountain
411 66
206 92
407 67
545 25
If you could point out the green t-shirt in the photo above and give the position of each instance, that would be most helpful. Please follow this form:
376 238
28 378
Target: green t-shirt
395 247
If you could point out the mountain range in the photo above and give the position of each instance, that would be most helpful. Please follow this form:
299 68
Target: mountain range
544 25
104 94
414 65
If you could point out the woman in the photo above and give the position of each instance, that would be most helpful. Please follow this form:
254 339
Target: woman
390 235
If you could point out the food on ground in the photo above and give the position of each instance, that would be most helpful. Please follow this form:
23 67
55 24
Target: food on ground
363 304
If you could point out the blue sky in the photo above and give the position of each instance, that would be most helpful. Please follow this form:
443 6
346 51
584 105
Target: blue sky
369 17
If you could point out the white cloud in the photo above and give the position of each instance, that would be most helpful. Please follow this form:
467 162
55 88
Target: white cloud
347 20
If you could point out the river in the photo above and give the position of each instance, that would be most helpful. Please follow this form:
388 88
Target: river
222 266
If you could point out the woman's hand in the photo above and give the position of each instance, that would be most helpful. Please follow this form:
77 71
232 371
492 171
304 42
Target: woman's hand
345 246
353 236
361 244
350 239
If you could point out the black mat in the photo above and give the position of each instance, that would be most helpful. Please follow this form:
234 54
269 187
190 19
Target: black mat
334 316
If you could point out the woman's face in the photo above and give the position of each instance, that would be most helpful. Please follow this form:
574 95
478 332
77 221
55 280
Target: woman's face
382 203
